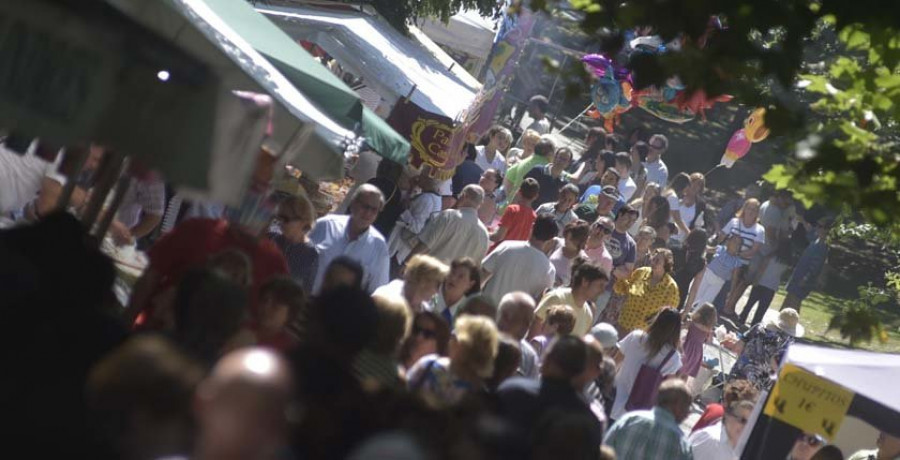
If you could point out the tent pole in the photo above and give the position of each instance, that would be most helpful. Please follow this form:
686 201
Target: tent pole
122 187
109 171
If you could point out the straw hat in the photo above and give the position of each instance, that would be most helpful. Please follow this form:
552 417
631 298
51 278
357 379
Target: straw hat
788 321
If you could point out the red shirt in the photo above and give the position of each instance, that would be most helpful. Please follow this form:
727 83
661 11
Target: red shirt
711 415
517 220
192 242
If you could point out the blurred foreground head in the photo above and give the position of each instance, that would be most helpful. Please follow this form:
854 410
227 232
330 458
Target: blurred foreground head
243 408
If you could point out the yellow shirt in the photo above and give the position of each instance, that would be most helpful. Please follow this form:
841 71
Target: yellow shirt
642 300
563 296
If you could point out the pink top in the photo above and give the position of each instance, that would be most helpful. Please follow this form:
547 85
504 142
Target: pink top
601 256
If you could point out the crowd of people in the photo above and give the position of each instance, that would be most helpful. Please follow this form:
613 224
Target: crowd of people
539 304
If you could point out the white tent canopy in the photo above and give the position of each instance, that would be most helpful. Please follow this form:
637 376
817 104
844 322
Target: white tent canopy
467 32
387 61
873 375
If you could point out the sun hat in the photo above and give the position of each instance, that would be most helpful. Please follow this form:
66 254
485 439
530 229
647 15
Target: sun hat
788 321
606 334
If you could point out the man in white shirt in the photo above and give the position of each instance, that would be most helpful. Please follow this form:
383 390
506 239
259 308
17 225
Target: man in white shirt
521 265
537 110
718 441
627 186
456 233
656 169
336 235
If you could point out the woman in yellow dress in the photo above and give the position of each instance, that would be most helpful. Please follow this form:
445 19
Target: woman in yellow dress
647 291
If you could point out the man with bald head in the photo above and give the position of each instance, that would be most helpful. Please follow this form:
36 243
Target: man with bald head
514 316
354 236
455 233
655 433
242 408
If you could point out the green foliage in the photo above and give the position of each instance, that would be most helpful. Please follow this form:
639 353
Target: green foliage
827 70
859 321
399 12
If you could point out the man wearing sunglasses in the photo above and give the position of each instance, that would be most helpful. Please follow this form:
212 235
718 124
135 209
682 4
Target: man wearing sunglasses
656 169
718 441
354 236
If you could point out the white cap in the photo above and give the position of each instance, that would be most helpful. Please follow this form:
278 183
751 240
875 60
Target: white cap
606 334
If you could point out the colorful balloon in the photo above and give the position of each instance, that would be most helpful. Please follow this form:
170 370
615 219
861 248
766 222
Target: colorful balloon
754 131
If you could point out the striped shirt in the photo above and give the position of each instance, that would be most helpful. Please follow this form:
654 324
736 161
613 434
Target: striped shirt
648 435
751 235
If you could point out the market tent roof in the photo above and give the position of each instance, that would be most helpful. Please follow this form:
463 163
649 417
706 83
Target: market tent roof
314 80
862 372
305 134
466 31
371 48
442 57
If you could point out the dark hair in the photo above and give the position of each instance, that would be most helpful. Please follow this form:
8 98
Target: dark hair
626 208
664 330
544 147
611 141
609 159
342 321
209 310
478 305
565 150
696 240
639 133
679 183
569 354
284 290
441 335
474 272
738 390
828 452
596 133
530 188
668 259
642 149
578 230
390 170
540 102
661 212
584 270
509 357
544 228
348 264
571 188
611 170
624 158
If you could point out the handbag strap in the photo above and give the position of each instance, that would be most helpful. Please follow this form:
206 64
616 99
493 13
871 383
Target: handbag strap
663 363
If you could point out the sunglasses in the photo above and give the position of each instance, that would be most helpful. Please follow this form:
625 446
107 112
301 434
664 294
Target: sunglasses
811 440
425 333
604 229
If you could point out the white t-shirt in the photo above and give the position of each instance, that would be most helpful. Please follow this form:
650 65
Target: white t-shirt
21 177
499 162
687 215
755 233
711 443
627 187
636 355
517 266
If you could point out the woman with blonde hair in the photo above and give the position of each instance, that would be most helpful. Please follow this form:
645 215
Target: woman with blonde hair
294 218
420 282
529 139
473 348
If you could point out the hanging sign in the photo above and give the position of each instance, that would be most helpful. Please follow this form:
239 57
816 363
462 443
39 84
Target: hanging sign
808 402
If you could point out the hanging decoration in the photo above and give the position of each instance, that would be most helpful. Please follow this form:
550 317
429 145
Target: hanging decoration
754 131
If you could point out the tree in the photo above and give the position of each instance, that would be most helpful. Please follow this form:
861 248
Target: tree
399 12
836 116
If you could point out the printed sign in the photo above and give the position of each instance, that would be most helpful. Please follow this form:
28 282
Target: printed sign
429 137
808 402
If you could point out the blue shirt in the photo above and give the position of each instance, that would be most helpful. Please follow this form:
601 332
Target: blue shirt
369 249
723 263
648 435
590 196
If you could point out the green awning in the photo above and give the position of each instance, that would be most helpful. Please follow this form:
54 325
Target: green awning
315 81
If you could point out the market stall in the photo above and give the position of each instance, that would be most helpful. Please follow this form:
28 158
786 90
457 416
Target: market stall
467 37
842 396
421 96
